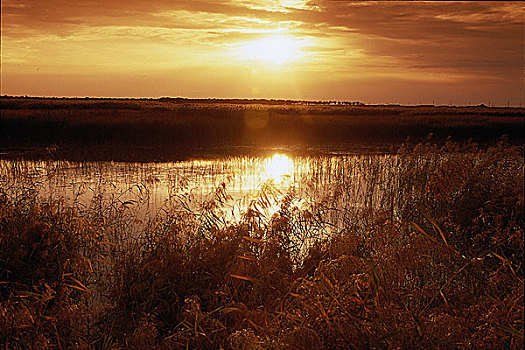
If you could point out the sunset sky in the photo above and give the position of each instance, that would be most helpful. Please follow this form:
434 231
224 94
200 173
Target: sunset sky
375 52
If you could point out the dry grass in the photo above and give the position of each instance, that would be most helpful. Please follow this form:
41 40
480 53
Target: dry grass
147 130
437 263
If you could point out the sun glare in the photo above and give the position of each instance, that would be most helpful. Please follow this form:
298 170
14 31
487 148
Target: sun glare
278 167
275 49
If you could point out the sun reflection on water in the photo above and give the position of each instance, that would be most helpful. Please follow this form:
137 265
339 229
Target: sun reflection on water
277 168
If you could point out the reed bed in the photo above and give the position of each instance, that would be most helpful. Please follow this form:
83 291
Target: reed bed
155 130
433 258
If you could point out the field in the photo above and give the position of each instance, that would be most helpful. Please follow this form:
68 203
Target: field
146 130
432 257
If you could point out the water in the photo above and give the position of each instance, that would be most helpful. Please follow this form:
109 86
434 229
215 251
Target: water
337 184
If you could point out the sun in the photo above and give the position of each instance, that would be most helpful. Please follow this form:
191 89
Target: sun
275 49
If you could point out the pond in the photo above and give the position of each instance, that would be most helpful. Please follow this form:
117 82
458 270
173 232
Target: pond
228 186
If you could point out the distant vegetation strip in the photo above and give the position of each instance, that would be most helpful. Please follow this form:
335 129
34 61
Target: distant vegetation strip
168 103
80 124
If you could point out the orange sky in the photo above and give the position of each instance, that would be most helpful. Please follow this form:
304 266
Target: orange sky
375 52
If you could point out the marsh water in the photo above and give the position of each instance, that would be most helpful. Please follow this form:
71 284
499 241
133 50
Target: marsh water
227 186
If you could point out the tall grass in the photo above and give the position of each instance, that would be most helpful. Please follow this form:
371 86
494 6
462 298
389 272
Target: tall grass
153 130
433 258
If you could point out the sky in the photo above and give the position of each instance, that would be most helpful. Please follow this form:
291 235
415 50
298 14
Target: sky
369 51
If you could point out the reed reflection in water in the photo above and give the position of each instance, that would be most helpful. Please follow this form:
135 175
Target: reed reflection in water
337 184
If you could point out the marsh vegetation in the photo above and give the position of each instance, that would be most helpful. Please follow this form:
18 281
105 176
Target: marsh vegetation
423 248
285 226
159 130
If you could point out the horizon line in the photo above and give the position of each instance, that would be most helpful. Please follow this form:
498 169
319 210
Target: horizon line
297 101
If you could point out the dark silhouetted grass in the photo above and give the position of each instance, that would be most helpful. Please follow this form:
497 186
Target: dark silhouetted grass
146 130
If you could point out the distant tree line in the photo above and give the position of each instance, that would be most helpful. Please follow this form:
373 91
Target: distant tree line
258 101
198 100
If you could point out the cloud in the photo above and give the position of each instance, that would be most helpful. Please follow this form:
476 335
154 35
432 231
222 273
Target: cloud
432 41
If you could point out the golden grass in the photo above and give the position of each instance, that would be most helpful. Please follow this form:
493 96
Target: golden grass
436 264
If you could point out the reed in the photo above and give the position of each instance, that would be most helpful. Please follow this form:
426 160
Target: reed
150 130
433 258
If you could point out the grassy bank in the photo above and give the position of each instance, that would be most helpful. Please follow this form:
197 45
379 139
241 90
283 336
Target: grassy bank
437 263
130 130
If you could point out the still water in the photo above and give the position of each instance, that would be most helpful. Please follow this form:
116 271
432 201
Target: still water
339 183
